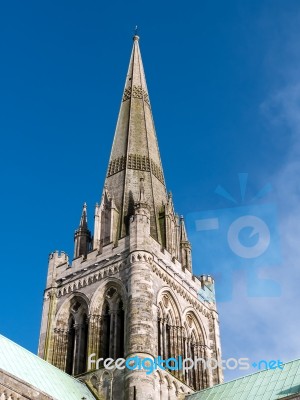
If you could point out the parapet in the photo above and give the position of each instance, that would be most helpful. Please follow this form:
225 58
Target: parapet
207 280
58 257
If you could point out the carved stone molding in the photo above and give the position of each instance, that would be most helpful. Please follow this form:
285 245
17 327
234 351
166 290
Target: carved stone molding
181 290
141 256
136 92
116 165
73 286
137 162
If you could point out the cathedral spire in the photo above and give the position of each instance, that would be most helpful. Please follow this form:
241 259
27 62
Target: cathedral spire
135 152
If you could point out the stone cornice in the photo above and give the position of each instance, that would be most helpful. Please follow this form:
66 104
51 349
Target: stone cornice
90 278
135 256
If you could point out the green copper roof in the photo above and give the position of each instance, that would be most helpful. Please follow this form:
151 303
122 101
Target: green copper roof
264 385
30 368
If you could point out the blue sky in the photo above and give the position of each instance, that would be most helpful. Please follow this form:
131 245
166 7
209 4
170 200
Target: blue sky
224 85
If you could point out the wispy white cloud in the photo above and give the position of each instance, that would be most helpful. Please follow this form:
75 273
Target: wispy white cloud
269 327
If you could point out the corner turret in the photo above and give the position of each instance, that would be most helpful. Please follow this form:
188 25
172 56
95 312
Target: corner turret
82 236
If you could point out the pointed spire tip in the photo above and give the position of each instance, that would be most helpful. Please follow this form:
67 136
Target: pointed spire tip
136 36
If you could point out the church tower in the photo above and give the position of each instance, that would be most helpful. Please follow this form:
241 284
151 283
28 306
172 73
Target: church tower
130 290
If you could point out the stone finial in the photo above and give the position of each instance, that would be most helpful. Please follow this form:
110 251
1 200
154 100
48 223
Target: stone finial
135 36
83 219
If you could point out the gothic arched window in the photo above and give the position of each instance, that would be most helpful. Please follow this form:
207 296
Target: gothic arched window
168 329
113 325
195 348
77 337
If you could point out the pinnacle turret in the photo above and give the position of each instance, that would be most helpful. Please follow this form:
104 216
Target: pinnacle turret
82 235
183 234
185 247
83 219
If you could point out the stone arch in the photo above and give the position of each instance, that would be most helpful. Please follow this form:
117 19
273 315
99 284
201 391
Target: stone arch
107 325
166 291
94 380
190 312
69 351
195 347
63 312
105 383
106 374
175 388
168 325
159 375
168 380
97 298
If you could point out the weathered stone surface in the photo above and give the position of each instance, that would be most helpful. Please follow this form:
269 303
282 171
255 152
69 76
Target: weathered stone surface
12 388
133 294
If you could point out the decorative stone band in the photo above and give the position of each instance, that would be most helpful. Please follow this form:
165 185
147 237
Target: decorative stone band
76 284
138 162
116 165
137 92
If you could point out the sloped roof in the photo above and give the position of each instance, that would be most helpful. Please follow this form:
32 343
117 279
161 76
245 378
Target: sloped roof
30 368
264 385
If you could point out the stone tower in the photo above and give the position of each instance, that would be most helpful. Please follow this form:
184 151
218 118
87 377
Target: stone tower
130 290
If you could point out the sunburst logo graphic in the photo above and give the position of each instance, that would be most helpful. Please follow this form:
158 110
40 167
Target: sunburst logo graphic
258 232
243 180
244 236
